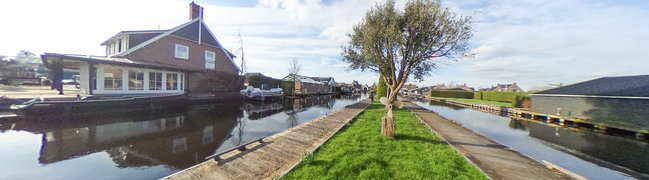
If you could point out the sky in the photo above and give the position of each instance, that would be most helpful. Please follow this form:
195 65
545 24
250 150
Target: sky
534 43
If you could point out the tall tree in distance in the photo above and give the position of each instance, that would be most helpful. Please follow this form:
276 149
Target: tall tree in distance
381 89
399 43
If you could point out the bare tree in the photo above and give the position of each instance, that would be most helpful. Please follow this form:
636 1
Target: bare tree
243 56
295 68
398 43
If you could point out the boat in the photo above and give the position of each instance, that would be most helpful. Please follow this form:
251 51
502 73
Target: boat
99 103
252 93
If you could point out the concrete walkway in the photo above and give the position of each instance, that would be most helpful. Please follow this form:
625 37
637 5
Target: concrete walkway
495 160
280 152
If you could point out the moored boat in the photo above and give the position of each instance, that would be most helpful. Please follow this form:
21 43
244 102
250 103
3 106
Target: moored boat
262 95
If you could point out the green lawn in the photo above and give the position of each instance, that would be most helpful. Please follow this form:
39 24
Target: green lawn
359 151
482 101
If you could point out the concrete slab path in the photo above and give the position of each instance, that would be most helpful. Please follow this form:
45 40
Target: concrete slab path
494 159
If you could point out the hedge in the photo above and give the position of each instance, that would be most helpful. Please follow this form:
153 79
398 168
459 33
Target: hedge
477 95
510 97
451 94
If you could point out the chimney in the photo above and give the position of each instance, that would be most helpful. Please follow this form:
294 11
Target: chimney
195 11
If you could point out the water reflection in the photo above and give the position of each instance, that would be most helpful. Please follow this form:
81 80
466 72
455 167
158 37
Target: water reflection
151 141
622 151
175 139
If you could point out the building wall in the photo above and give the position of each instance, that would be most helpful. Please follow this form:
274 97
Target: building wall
163 52
214 82
310 88
614 111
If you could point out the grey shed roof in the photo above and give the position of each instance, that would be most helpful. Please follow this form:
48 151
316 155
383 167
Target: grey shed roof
632 86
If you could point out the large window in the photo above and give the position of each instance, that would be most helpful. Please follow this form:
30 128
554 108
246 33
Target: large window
135 80
155 81
172 81
209 59
182 52
181 80
112 78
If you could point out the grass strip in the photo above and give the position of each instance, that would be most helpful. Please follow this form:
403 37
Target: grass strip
359 151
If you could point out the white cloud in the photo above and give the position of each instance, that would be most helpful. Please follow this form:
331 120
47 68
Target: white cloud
529 42
535 42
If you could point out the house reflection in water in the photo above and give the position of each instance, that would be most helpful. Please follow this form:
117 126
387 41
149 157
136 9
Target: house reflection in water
179 140
176 140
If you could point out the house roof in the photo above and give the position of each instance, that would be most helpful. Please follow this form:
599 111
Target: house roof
440 86
188 30
313 80
253 74
157 32
631 86
112 61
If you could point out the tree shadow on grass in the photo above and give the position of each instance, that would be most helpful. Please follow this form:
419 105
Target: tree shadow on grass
417 138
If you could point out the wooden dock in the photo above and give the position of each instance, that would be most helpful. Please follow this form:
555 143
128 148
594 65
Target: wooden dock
277 154
524 114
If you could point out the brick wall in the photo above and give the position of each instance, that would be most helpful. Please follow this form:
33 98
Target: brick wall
214 82
163 52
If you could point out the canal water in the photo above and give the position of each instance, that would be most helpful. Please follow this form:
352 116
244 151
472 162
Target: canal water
591 154
146 145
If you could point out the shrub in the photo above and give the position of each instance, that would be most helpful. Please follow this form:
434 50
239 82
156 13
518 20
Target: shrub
381 89
451 94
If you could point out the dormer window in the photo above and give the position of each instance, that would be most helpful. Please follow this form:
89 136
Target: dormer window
182 52
117 45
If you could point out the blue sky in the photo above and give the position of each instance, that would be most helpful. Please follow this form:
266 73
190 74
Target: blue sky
533 43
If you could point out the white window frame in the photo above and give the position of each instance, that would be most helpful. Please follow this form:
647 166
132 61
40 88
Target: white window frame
180 55
213 60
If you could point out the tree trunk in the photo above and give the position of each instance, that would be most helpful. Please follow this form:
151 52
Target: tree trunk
387 127
387 124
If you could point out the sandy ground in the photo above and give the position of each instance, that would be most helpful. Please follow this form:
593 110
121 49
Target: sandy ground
30 92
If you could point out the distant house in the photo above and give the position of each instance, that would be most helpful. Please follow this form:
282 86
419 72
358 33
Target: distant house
187 57
484 89
312 85
409 87
358 87
619 101
420 91
464 87
505 88
440 87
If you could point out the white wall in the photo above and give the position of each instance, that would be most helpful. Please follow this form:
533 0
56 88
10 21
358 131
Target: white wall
125 90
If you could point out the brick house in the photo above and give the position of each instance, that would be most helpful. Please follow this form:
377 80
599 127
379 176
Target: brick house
186 58
506 88
312 85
